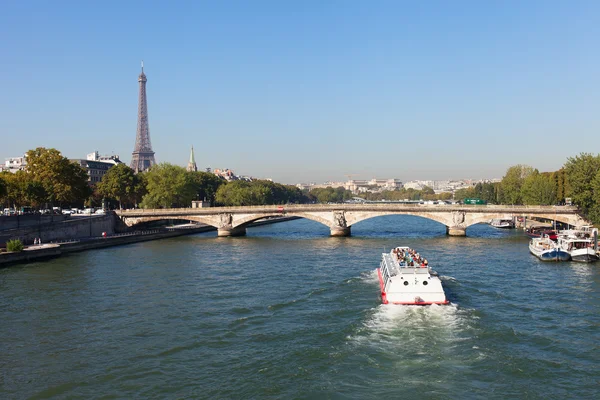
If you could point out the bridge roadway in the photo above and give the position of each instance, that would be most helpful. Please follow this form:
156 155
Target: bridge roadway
232 221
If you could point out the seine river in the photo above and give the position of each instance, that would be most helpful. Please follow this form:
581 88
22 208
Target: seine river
288 312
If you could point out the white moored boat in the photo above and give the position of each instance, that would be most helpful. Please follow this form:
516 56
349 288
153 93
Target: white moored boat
546 249
503 223
405 278
580 244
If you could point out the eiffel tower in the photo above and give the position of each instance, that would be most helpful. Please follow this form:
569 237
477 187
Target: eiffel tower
143 156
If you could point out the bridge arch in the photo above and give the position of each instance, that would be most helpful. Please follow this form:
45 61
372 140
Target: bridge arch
245 221
205 220
354 218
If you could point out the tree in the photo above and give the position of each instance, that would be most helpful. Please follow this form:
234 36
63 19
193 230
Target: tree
3 189
594 213
581 172
168 186
465 193
206 185
561 184
118 183
330 195
538 189
512 182
62 180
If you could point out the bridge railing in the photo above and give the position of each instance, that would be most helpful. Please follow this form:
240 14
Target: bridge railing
352 207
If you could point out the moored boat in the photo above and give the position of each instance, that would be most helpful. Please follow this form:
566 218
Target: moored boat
579 244
503 223
539 231
546 249
406 278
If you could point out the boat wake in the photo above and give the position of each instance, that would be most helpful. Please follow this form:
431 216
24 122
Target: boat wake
410 341
370 277
392 322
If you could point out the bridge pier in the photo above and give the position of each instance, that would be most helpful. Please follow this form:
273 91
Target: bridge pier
237 231
338 231
456 231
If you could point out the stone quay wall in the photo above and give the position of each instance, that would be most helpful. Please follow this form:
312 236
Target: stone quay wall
70 228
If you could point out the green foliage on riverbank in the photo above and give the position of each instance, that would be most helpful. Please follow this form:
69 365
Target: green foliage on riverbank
14 245
578 179
50 178
329 195
259 192
123 185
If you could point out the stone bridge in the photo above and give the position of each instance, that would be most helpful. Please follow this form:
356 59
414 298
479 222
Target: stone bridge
232 221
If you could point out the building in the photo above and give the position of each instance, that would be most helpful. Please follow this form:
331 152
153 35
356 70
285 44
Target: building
191 167
14 164
97 166
372 185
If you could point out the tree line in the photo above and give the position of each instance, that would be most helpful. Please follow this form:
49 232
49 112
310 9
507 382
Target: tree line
52 179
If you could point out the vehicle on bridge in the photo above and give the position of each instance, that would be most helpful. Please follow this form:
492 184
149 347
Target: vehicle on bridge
405 278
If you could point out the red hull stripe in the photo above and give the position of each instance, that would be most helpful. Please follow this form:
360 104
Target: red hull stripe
383 295
422 303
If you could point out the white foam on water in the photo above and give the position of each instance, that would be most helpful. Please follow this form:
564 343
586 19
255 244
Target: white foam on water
395 325
416 338
370 276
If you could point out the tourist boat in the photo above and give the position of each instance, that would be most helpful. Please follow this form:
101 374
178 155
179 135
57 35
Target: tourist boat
405 278
539 231
546 249
580 243
503 223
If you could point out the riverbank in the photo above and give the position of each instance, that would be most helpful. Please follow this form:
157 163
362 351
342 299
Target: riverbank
52 250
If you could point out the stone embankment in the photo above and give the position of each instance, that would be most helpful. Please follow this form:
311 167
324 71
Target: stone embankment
50 250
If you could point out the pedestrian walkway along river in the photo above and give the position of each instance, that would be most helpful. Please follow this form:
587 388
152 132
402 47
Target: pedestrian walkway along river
289 312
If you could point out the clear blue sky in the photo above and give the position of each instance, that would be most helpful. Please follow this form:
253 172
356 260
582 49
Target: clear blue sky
307 90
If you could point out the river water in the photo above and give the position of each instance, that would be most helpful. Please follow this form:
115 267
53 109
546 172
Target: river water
288 312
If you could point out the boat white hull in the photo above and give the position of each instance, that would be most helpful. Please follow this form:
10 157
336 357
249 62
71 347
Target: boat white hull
584 255
550 254
503 226
409 285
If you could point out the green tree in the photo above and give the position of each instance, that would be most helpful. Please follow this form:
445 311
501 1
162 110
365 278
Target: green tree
512 182
119 183
581 172
594 212
168 186
561 184
259 192
465 193
206 185
538 189
63 181
3 188
330 195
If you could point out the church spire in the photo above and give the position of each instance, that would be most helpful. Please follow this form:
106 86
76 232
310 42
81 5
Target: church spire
192 163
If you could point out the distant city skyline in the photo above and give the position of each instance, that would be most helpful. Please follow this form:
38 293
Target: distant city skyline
308 92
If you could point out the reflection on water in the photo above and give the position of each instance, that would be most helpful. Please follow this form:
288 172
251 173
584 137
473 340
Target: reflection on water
288 311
